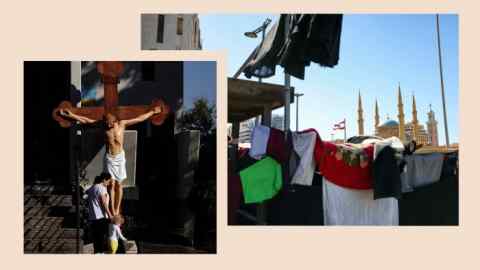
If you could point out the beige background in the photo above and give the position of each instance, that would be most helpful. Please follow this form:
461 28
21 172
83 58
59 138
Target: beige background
99 30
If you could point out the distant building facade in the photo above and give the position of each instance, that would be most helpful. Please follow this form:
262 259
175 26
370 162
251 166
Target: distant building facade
277 121
170 32
245 134
412 130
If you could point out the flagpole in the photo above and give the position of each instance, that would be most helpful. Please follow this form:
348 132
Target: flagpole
442 86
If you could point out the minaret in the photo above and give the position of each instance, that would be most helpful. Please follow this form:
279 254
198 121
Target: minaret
401 116
360 115
377 116
414 119
432 128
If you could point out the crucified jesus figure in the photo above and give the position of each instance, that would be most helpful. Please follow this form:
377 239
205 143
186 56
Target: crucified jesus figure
114 161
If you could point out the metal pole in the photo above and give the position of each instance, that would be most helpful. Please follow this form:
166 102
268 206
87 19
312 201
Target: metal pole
266 121
296 120
441 84
297 95
286 115
260 79
77 190
261 44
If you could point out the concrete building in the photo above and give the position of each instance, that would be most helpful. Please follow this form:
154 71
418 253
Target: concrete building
170 32
277 121
246 128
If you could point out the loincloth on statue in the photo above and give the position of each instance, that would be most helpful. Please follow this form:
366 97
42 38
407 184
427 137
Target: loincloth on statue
116 166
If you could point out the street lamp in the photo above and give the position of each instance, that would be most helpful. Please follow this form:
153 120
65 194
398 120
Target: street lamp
261 28
253 34
262 208
297 95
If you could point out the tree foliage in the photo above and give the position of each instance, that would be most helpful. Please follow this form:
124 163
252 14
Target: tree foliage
201 117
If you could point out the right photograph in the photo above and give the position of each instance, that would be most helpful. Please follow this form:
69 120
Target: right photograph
333 119
341 119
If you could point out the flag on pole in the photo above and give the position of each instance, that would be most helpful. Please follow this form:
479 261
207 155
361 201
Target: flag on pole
339 125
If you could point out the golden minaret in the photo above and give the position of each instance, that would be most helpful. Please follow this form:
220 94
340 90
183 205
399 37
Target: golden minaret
401 116
360 115
414 119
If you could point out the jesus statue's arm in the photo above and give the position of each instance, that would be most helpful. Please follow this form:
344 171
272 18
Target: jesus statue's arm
82 119
142 117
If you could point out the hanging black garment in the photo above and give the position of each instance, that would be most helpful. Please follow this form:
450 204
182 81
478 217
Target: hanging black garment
244 162
386 175
297 205
311 38
289 167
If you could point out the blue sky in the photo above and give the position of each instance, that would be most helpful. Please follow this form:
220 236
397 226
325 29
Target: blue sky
199 80
377 52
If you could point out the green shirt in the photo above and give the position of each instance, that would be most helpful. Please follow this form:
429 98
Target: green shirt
261 181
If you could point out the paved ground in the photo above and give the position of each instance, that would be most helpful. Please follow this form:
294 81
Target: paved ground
155 248
88 249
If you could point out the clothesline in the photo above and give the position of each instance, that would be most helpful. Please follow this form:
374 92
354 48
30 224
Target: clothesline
374 172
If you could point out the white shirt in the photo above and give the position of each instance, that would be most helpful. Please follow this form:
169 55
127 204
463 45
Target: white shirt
95 206
114 232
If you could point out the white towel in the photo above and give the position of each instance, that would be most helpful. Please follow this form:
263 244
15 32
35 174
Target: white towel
116 166
344 206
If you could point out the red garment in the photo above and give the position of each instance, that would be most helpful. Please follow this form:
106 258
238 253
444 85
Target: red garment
345 165
242 151
342 164
276 146
235 195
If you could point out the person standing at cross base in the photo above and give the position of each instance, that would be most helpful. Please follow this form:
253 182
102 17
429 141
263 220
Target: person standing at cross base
114 160
99 213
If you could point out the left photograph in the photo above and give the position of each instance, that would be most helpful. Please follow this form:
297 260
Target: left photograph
120 157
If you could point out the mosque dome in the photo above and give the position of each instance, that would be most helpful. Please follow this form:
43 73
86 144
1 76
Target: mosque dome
390 123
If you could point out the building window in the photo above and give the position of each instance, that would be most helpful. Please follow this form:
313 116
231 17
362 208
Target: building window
161 26
195 33
179 26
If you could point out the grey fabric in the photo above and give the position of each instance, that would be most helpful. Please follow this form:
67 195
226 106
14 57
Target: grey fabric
421 170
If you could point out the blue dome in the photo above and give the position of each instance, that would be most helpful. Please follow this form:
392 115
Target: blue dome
390 123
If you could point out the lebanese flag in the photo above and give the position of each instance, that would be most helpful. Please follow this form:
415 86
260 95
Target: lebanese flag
340 125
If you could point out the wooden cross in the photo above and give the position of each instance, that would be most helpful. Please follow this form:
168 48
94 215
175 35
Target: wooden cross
110 72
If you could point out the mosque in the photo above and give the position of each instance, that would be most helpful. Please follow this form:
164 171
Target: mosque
412 130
